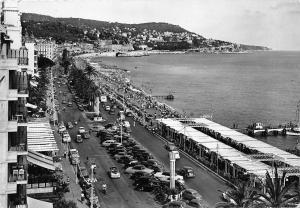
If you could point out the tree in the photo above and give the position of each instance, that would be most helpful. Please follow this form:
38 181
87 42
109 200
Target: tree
277 192
64 204
240 196
91 71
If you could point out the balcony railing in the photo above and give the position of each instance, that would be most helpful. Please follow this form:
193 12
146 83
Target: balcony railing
17 175
19 118
22 61
19 148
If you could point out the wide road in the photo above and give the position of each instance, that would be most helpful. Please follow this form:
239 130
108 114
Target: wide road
120 192
206 183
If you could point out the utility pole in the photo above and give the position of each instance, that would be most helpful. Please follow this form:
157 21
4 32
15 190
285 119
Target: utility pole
172 170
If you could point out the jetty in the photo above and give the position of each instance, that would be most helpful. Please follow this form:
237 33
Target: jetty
167 97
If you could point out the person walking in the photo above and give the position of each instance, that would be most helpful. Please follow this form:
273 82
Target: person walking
82 197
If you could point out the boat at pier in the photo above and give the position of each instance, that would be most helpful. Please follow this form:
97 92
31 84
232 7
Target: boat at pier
295 130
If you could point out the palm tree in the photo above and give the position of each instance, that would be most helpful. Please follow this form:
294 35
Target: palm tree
277 192
92 93
240 196
91 71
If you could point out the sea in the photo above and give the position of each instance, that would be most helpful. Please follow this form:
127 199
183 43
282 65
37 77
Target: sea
235 89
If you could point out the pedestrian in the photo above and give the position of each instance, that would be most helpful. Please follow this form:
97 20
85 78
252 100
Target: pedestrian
65 154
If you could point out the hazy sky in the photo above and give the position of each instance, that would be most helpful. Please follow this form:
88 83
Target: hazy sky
272 23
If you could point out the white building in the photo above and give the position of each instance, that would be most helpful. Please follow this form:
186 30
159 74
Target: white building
46 48
32 57
11 19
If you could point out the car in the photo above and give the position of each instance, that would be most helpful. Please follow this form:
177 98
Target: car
175 204
85 135
79 138
66 138
81 130
170 146
126 124
70 104
186 172
196 203
107 108
112 111
138 168
125 159
146 183
165 176
190 194
107 143
97 128
114 172
70 125
150 162
61 129
81 108
119 155
64 102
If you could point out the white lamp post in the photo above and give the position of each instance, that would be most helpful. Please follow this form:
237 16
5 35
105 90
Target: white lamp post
92 187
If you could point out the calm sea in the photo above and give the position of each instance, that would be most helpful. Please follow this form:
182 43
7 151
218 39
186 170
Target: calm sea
236 88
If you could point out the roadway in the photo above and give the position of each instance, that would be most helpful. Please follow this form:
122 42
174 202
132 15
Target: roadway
120 192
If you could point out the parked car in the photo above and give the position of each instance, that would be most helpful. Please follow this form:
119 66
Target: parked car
79 138
107 143
186 172
81 130
175 204
190 194
107 108
70 125
114 172
138 168
146 183
85 135
61 129
119 155
66 138
70 104
165 176
125 159
196 203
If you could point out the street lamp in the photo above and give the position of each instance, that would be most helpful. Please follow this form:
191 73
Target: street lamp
92 188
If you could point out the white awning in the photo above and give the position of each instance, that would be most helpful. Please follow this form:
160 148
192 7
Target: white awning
29 105
35 203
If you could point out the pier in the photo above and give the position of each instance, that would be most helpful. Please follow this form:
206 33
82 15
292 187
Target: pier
226 151
167 97
268 131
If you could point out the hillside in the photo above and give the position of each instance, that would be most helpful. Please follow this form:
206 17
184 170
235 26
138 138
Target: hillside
157 35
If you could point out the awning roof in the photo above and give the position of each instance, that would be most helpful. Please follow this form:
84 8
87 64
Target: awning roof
40 160
35 203
223 150
250 142
40 137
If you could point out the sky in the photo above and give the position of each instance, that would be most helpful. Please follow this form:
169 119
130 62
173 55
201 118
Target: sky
271 23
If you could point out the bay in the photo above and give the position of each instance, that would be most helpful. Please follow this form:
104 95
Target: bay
236 88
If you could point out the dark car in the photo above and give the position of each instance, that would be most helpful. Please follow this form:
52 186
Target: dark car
150 163
186 172
146 183
125 159
135 176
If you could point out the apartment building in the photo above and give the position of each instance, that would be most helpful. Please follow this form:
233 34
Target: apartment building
13 123
46 48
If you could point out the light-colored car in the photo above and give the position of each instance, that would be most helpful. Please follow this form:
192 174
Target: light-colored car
81 130
114 172
138 168
165 176
190 194
66 138
70 125
108 142
107 108
61 129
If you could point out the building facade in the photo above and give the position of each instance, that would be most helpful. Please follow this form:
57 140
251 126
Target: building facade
13 119
46 48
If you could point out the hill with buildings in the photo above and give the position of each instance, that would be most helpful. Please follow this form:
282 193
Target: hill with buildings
161 36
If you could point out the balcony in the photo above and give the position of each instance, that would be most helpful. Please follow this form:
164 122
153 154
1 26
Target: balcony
12 94
11 188
9 64
18 174
20 55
